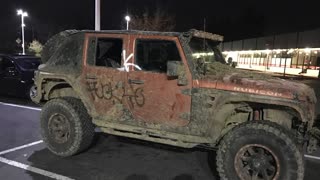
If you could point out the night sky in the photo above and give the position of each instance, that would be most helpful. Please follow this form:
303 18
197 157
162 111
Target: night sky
235 19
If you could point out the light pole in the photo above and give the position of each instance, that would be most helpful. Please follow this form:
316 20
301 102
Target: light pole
97 15
23 14
127 18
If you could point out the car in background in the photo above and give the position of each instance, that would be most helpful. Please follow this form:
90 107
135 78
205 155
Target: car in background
16 75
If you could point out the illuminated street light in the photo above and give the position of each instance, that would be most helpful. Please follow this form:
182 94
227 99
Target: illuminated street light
22 14
127 18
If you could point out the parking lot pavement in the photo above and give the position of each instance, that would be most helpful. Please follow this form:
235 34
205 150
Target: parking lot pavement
12 173
18 126
120 158
111 157
17 101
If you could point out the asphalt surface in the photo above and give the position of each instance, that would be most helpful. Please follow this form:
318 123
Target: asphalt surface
110 158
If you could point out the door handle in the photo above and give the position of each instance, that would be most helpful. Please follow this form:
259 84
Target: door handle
135 81
91 76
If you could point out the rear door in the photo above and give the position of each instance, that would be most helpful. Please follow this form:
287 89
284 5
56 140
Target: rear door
103 80
155 98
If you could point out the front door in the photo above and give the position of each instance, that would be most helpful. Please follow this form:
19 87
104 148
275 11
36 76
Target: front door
158 99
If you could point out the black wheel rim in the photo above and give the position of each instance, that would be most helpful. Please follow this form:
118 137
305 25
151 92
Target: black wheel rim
59 128
257 162
33 92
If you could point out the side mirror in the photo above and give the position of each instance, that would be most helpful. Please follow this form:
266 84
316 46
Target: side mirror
176 70
173 68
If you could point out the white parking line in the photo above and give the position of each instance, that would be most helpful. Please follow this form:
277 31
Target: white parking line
28 167
20 106
20 147
312 157
34 169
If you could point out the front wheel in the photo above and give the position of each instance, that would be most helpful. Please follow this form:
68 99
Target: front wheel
259 150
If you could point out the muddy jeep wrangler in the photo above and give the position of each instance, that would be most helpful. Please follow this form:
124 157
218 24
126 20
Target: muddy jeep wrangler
175 89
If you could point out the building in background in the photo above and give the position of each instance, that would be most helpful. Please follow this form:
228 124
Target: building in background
293 53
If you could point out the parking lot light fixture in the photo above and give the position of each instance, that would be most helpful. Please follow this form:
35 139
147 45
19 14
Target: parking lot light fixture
128 19
23 14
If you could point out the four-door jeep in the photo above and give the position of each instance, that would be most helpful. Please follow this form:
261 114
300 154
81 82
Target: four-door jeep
175 89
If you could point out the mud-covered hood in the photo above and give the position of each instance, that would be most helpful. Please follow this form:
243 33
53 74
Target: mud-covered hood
220 76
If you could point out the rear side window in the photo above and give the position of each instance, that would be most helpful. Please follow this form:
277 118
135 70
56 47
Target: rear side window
153 55
68 55
108 52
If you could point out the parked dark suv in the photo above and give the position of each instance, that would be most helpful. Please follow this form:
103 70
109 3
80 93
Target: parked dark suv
16 75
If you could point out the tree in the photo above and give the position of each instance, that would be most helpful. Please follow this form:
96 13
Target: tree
159 20
35 47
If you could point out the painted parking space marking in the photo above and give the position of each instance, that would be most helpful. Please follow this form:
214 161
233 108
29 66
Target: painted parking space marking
312 157
20 147
34 169
20 106
28 167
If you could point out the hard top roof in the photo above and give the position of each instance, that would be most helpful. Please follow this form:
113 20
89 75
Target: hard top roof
131 32
192 32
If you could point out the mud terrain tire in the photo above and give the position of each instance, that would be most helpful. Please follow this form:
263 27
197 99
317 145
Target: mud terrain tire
259 149
66 127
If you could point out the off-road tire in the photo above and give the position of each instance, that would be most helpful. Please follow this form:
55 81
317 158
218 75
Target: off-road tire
267 134
81 129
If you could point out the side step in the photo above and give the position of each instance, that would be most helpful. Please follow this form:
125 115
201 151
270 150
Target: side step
154 135
148 137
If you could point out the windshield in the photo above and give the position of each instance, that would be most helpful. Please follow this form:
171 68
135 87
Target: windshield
28 63
206 50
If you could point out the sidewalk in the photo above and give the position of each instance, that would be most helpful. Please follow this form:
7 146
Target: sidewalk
291 73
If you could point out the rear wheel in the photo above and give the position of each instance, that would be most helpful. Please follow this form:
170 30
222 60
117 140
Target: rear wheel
259 150
66 127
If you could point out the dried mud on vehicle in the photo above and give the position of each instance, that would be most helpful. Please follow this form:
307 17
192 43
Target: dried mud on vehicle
176 89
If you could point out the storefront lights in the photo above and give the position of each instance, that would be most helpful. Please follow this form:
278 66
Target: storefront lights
307 50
